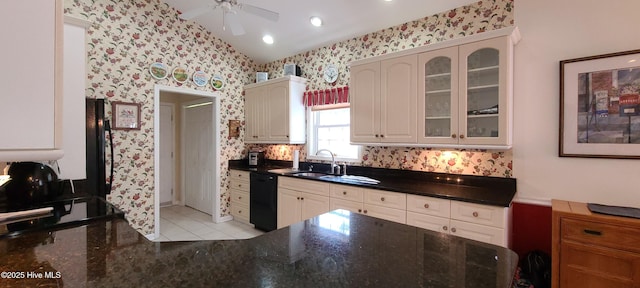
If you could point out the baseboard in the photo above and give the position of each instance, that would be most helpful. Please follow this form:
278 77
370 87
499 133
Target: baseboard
533 201
151 237
225 218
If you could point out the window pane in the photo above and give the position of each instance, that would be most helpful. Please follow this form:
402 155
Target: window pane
330 130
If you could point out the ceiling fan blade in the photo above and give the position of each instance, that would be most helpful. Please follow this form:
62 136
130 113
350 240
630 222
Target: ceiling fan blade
195 13
231 21
264 13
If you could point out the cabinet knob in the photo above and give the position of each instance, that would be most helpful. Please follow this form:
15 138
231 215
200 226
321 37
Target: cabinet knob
453 230
382 199
239 197
365 211
359 210
445 228
475 214
461 136
377 135
454 136
301 198
344 192
239 211
287 136
298 198
426 205
239 185
381 136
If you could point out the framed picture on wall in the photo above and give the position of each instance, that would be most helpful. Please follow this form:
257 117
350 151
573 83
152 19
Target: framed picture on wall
600 106
126 116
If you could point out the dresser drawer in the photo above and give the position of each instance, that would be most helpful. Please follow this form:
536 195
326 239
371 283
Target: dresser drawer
240 175
240 212
429 205
347 193
606 235
239 185
385 199
479 214
238 196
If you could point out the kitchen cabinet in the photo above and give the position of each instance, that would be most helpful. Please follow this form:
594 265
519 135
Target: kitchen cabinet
301 199
32 112
483 223
239 185
465 96
383 101
455 94
593 250
274 111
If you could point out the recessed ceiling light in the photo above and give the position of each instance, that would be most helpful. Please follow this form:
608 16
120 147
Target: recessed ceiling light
316 21
267 39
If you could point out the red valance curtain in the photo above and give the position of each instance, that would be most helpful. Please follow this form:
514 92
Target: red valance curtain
326 97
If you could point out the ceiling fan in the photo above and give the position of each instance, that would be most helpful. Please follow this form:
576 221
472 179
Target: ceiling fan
230 9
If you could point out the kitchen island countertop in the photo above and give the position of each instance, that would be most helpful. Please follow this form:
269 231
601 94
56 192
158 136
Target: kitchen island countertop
336 249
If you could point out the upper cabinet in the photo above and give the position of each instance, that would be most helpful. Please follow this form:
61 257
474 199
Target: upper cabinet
31 107
274 111
461 89
385 105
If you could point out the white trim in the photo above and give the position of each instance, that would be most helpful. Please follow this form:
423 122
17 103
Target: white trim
450 146
151 237
330 106
72 20
156 143
225 219
511 31
533 201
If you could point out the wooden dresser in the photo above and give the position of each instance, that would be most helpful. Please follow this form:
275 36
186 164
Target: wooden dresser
593 250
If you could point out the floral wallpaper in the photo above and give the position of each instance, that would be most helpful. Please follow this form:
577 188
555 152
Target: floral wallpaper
463 21
128 35
125 38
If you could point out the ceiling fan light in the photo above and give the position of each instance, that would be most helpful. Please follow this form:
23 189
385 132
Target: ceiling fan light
315 21
267 39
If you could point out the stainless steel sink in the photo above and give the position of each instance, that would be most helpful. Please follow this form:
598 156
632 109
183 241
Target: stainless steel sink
310 174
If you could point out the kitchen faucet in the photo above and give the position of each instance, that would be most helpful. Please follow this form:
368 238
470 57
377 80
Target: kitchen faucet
333 160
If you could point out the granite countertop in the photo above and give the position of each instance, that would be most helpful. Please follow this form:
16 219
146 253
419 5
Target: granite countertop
336 249
495 191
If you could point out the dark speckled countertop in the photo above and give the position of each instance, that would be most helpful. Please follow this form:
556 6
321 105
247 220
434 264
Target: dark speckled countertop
496 191
336 249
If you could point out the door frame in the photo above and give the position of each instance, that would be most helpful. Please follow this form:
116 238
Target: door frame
174 201
215 97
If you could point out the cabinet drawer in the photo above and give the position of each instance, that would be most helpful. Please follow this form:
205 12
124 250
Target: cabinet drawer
239 196
310 186
482 233
395 215
386 199
614 236
347 193
239 185
479 214
240 175
352 206
429 205
240 212
428 222
592 266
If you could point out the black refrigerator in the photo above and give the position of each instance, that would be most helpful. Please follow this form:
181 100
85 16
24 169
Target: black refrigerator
97 142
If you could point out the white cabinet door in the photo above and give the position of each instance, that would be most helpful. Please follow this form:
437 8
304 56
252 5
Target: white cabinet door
255 115
313 205
277 108
288 207
33 51
353 206
485 89
438 96
365 103
398 99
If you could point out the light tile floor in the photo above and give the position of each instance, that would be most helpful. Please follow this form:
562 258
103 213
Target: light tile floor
181 223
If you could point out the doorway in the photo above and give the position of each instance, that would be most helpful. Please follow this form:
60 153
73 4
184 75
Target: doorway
182 95
197 138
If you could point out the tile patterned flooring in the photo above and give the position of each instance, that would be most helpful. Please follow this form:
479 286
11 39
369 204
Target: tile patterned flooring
181 223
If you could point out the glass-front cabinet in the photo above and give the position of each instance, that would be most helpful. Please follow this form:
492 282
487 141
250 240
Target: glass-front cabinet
463 94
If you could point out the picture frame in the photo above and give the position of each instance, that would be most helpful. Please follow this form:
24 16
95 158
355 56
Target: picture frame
600 106
126 116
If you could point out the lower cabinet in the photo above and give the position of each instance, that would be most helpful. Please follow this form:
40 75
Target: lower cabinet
593 250
239 190
301 199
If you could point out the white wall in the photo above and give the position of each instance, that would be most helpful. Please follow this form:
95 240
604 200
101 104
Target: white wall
555 30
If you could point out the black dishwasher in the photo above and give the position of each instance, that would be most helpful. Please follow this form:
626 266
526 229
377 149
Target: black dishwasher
264 201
